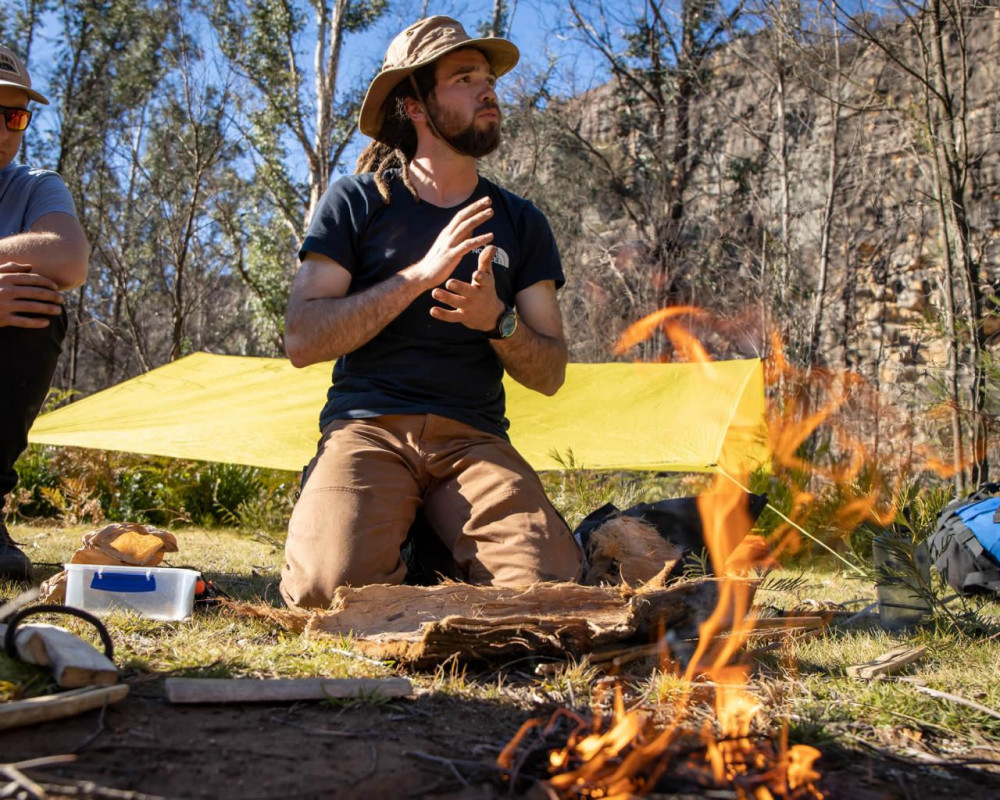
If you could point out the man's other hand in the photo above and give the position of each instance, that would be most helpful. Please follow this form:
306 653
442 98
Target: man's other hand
24 292
475 304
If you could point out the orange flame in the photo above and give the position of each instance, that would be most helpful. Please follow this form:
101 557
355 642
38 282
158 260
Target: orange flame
630 754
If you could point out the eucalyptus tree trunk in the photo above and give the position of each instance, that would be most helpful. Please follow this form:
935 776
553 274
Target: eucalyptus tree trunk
833 170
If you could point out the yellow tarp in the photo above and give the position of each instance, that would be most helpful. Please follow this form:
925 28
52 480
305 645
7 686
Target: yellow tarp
264 412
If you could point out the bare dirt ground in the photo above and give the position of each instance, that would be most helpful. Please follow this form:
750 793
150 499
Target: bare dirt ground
148 746
429 747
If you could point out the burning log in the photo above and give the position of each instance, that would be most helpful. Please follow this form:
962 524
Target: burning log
629 755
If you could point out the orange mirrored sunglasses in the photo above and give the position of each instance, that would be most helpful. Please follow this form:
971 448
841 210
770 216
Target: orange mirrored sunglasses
16 119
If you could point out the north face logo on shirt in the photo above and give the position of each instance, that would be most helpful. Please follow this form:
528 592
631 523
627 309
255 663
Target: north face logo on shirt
500 257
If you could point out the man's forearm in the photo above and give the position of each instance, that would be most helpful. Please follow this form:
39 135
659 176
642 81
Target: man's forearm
533 359
324 328
48 254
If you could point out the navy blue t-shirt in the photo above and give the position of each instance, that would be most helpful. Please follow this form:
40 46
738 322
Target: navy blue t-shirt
418 364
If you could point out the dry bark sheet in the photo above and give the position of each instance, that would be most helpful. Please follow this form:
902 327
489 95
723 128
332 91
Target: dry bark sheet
424 625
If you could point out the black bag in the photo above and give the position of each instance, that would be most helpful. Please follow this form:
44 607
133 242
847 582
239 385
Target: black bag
965 546
677 520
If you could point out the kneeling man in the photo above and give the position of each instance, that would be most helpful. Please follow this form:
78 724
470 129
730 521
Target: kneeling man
426 281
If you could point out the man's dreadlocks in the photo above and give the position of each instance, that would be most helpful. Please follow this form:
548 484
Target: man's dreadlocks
396 142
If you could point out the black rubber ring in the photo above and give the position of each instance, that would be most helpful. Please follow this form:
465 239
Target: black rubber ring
12 623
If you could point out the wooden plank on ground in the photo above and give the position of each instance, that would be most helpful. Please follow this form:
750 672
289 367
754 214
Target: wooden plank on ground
887 663
74 663
276 690
57 706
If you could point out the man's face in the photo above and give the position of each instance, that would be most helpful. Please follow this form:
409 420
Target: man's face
10 141
464 105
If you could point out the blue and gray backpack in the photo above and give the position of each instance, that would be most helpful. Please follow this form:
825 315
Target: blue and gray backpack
965 546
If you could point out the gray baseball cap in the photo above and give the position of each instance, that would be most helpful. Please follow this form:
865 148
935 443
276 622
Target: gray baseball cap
13 72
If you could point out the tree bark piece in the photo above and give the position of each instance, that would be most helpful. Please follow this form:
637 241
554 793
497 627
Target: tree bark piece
58 706
277 690
887 663
74 663
424 625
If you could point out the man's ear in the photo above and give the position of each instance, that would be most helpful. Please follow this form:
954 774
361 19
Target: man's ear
414 109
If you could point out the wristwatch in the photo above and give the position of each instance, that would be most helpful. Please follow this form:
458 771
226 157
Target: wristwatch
506 324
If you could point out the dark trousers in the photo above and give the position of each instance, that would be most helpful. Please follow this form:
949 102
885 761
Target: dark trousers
28 358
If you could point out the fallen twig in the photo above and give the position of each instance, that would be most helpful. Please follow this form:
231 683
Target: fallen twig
448 762
21 782
812 634
455 762
14 773
927 758
356 656
90 790
97 730
887 663
371 770
324 731
57 706
954 698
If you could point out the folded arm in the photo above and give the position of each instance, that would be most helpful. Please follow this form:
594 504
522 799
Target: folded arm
37 266
55 247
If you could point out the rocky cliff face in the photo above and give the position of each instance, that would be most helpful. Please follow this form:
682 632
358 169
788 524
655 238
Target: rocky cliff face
885 300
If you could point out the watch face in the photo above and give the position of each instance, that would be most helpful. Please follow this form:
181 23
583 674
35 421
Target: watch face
508 324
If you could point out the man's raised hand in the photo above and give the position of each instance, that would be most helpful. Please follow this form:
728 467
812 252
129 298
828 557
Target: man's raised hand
475 304
25 292
453 243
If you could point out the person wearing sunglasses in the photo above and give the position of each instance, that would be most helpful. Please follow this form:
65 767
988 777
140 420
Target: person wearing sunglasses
43 253
426 281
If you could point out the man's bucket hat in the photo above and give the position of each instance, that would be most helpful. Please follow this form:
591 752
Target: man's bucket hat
14 73
423 43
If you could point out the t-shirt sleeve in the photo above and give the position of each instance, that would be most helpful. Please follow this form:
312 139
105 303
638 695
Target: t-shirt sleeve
338 222
48 195
541 261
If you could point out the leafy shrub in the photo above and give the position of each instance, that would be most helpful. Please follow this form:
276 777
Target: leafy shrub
218 491
35 475
92 486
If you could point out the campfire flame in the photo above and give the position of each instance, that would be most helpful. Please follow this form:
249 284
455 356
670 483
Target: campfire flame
630 754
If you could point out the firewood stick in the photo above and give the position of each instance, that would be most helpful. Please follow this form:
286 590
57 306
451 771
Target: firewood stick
888 663
74 663
57 706
784 623
276 690
954 698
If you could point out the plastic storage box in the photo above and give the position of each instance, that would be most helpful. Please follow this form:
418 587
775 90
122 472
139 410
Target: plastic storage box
154 592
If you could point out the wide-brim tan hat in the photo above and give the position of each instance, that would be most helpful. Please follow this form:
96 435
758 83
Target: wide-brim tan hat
14 73
423 43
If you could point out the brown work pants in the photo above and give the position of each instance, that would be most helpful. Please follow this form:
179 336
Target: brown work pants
370 476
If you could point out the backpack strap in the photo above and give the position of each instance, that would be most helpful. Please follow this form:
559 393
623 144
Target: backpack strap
951 510
988 579
985 490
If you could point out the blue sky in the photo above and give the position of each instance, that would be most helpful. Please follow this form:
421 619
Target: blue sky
533 26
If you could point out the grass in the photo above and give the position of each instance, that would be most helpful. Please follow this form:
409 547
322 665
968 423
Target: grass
803 681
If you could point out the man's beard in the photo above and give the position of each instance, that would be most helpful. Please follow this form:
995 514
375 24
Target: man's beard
469 140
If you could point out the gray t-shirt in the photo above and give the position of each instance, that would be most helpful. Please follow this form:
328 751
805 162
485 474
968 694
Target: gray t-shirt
27 194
